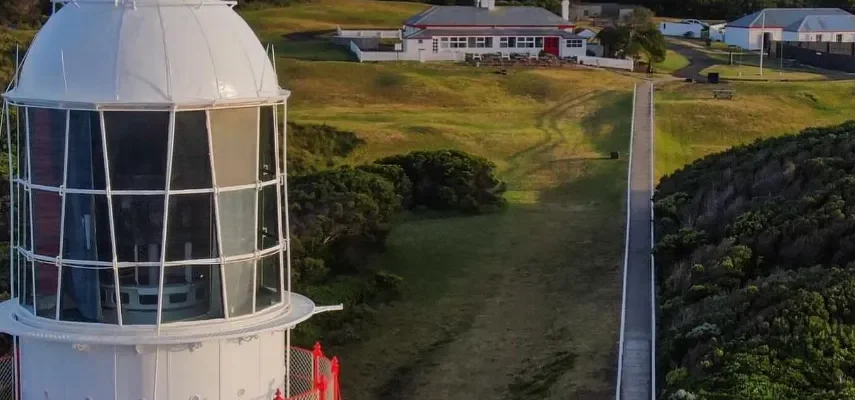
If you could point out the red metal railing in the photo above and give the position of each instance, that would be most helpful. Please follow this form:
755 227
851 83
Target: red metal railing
312 376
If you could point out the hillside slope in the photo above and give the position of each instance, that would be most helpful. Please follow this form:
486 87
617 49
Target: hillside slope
755 271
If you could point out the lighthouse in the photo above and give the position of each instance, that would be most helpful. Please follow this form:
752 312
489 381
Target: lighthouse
149 219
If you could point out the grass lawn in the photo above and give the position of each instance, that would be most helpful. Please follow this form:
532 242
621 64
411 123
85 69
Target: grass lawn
690 124
673 61
753 73
494 304
286 27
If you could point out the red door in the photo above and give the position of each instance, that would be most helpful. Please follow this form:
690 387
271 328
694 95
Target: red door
550 45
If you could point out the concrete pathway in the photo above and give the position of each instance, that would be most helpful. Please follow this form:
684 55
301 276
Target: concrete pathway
635 380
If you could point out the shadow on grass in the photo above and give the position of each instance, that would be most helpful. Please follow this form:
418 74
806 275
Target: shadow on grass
311 46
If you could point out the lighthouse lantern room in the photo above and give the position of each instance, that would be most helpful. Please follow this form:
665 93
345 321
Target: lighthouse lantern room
149 219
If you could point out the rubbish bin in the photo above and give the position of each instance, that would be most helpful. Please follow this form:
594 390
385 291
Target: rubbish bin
712 77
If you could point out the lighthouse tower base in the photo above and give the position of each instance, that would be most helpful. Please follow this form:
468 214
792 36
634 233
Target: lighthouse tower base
251 367
239 359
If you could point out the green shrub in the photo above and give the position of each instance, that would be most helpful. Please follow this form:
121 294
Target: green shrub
450 180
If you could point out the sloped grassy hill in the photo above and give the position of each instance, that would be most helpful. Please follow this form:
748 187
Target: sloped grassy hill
756 271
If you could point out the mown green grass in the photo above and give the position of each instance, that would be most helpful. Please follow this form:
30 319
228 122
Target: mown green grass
302 30
317 15
492 295
751 72
673 61
690 124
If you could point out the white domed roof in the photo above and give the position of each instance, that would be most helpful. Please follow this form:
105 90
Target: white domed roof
144 52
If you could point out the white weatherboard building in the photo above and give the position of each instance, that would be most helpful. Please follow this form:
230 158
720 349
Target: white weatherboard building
149 222
487 28
791 25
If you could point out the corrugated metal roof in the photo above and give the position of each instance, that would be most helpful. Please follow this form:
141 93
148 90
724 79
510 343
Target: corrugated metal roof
429 33
476 16
787 18
827 23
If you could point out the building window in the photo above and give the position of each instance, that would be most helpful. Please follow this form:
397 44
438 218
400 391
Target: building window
818 38
458 42
443 43
421 41
506 42
526 42
538 42
574 43
839 37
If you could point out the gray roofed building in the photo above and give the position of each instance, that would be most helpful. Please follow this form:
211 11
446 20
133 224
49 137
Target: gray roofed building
477 16
827 23
792 19
430 33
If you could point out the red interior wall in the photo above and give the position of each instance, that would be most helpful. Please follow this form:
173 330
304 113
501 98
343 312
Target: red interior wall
47 207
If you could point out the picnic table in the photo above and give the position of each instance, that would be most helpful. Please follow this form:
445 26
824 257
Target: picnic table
723 93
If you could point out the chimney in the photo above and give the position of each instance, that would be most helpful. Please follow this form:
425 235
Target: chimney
565 9
489 4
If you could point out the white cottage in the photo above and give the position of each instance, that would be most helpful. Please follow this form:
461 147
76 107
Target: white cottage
486 28
791 25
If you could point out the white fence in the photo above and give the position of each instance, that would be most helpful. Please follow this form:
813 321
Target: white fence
369 33
616 63
680 29
422 56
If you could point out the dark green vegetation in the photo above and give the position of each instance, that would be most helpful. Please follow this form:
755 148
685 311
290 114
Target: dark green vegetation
341 216
729 9
635 37
756 271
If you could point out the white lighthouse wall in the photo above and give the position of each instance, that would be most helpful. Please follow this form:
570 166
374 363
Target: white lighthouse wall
232 369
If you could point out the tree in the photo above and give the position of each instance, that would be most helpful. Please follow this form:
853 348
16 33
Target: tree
636 37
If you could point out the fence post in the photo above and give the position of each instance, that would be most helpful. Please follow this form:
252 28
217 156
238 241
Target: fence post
317 353
335 370
322 388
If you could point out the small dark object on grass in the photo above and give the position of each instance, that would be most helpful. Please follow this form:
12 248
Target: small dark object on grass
614 155
690 80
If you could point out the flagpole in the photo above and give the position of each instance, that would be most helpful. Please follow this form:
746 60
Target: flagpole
762 39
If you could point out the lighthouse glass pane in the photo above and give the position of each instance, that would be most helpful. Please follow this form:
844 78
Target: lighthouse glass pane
87 228
268 219
19 131
23 216
283 130
237 221
85 151
191 163
234 133
46 222
46 281
25 282
268 288
138 223
192 292
239 287
191 228
138 294
136 147
88 295
267 145
47 145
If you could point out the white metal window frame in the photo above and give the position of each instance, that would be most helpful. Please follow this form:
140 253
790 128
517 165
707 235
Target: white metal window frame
574 43
458 42
24 184
526 42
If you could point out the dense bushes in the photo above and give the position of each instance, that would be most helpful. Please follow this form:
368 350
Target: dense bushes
340 217
756 271
450 180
